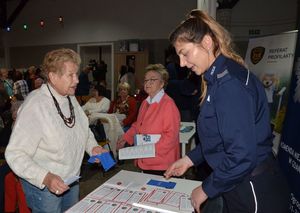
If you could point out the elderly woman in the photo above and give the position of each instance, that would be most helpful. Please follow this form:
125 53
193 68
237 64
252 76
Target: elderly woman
97 103
158 115
125 106
48 150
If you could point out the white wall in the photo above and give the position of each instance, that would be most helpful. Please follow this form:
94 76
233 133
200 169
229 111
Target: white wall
269 16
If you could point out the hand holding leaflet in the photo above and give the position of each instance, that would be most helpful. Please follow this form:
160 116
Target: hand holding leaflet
142 139
144 147
70 180
105 159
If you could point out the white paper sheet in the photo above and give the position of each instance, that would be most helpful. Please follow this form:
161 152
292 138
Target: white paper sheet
134 152
70 180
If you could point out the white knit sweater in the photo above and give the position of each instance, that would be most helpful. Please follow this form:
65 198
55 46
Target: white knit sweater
42 143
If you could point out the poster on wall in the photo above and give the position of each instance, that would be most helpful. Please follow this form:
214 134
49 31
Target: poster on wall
271 59
289 150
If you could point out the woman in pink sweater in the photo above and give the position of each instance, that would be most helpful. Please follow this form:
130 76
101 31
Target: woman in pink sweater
158 114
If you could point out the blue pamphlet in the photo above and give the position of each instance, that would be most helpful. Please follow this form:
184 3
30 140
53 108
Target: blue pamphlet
186 129
105 159
164 184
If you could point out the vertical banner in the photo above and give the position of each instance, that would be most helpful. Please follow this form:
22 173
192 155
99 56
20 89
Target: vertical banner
271 59
289 150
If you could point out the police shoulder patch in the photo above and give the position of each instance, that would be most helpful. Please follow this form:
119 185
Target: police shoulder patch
222 74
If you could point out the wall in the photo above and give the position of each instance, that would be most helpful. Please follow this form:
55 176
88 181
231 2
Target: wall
93 21
267 16
96 20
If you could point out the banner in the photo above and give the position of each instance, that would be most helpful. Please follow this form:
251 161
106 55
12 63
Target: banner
271 59
289 150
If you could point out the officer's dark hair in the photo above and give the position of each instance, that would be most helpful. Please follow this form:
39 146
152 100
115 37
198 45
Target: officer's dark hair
195 27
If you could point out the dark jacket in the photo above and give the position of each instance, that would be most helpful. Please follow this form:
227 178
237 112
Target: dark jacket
233 126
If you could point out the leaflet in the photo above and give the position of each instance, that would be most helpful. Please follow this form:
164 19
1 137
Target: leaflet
134 152
142 139
70 180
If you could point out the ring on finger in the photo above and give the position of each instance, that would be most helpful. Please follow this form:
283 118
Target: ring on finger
57 191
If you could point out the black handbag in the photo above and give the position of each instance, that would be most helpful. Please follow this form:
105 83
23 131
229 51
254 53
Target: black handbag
98 131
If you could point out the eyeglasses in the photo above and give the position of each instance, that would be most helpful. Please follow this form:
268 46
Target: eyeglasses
151 80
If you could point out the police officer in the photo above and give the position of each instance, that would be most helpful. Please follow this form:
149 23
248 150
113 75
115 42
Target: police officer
233 125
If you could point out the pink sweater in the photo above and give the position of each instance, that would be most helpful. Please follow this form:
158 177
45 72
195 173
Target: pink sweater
158 118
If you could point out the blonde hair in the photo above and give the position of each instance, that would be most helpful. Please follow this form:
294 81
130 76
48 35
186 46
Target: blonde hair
124 85
54 60
161 70
195 27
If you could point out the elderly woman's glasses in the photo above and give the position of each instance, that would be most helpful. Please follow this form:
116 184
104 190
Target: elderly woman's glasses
151 80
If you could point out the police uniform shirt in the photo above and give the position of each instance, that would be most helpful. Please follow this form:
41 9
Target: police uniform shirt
233 126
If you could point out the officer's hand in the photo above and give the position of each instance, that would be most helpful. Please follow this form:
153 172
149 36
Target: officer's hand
198 197
179 167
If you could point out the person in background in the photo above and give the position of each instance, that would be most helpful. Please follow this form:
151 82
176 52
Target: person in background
125 106
233 124
20 86
103 70
127 76
83 87
7 83
14 194
30 77
38 82
47 150
107 91
97 103
158 114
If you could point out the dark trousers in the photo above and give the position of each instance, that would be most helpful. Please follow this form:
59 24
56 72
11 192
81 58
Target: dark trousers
265 192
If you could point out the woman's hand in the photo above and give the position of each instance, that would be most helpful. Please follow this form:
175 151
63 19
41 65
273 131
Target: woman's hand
55 184
198 197
179 167
120 143
98 150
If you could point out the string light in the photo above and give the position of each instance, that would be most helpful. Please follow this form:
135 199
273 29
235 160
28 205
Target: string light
60 19
8 29
42 23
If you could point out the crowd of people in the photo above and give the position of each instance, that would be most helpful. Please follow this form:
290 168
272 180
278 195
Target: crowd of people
215 88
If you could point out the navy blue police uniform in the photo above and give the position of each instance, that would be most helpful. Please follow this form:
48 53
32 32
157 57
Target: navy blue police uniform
236 138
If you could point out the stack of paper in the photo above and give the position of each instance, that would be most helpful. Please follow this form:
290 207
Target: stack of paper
144 147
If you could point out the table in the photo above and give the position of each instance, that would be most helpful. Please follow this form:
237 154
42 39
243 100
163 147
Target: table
128 192
185 137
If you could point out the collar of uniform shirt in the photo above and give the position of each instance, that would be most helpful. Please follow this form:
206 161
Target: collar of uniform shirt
215 68
156 98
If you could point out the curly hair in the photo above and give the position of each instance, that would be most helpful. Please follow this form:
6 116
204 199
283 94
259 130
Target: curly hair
54 60
161 70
